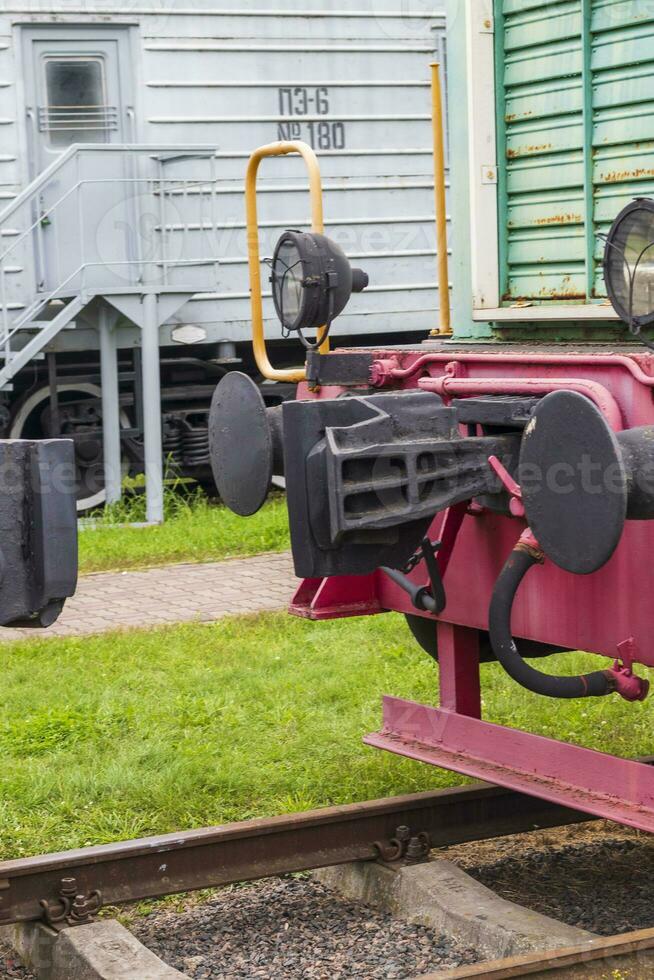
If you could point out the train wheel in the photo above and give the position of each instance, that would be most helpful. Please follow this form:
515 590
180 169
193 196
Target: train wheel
424 631
30 421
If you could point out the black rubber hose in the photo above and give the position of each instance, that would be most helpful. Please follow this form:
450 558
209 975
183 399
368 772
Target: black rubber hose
594 685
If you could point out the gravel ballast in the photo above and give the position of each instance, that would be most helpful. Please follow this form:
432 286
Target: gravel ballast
598 877
10 966
293 928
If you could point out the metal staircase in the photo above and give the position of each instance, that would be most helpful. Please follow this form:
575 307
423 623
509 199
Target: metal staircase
43 330
77 233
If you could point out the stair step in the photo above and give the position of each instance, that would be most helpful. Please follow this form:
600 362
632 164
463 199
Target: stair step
35 344
13 269
3 357
35 325
9 232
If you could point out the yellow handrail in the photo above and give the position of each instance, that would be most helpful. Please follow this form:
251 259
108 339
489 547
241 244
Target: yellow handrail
445 325
292 375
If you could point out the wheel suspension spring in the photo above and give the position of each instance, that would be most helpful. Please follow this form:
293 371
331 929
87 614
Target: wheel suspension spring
195 446
172 445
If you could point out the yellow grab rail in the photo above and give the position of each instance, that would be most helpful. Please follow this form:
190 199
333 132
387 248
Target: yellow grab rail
445 325
254 253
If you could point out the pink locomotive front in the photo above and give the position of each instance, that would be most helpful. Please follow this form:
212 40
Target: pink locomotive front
500 496
597 612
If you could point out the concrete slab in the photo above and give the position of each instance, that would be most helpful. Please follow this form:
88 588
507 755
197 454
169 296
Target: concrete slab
440 895
104 950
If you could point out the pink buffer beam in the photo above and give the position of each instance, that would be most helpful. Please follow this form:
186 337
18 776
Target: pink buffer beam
610 612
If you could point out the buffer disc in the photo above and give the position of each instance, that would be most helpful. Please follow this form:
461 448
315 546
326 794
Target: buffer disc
574 482
240 444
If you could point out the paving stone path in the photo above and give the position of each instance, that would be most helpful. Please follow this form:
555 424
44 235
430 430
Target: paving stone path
172 594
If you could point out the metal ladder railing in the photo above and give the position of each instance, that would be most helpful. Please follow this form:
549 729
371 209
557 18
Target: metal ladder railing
77 232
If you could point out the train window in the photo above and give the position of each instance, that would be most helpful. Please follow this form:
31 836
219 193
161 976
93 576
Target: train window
76 110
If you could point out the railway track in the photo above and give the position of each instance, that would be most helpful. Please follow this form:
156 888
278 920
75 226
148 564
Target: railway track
69 888
629 957
115 874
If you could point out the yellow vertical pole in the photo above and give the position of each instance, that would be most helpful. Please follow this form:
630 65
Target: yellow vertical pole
445 326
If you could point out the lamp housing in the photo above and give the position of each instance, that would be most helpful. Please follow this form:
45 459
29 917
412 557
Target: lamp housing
629 264
312 281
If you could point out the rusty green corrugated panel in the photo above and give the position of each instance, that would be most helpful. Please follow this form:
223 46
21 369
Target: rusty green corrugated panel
544 168
578 91
622 65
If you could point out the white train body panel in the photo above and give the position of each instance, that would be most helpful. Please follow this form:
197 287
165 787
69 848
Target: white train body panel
351 80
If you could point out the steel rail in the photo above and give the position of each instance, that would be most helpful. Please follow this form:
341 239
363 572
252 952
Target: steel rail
599 959
181 862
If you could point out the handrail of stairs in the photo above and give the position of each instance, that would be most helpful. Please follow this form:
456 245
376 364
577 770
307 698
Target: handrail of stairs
48 281
39 182
45 176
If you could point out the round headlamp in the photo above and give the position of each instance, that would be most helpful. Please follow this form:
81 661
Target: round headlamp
312 281
629 264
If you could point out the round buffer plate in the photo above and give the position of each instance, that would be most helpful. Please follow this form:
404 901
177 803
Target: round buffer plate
240 444
574 483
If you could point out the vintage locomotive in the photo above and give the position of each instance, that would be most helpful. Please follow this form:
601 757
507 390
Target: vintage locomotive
496 484
500 495
431 481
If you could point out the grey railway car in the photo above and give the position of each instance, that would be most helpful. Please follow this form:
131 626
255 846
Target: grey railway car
125 131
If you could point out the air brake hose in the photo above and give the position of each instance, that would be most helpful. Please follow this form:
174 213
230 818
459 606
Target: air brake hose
522 558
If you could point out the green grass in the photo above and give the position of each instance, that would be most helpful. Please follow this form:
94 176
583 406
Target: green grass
129 734
195 530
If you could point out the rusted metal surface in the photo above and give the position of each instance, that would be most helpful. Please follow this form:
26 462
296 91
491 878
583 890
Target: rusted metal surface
541 62
628 957
175 863
574 94
621 790
70 907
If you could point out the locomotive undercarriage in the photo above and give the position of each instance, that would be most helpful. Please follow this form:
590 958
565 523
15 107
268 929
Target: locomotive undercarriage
61 396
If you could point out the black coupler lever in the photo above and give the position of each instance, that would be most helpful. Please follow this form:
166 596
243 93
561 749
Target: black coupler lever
431 598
